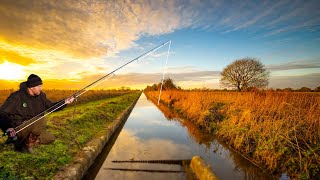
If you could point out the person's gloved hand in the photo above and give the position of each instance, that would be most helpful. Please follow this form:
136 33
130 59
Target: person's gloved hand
11 133
69 100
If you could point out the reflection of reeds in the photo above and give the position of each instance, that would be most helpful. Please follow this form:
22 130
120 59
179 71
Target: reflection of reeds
197 134
280 130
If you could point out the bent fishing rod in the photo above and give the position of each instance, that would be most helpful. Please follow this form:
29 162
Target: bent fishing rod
62 102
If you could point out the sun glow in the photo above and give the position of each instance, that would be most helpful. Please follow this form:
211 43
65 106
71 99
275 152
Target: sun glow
11 71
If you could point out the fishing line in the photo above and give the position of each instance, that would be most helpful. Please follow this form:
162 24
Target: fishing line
164 72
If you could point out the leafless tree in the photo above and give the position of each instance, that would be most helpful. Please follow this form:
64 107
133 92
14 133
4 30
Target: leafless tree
245 73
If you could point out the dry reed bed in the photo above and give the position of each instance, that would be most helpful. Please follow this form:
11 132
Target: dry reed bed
278 130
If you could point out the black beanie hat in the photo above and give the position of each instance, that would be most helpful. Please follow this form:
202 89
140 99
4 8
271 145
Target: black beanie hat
33 80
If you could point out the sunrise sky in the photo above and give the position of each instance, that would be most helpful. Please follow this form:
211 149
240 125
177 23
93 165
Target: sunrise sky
70 43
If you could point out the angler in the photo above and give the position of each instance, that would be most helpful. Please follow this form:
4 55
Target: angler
22 105
31 102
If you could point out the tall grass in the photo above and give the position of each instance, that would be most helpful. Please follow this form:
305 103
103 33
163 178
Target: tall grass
278 130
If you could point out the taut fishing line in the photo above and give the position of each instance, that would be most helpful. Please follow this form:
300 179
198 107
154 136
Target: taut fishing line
164 69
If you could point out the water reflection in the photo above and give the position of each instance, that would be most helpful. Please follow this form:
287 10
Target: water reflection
131 147
193 131
149 135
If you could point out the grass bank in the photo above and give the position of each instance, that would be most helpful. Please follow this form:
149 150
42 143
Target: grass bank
90 121
280 131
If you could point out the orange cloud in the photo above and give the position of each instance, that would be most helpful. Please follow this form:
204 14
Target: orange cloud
70 39
86 28
61 39
14 57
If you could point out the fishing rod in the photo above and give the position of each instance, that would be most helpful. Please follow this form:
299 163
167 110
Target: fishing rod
61 103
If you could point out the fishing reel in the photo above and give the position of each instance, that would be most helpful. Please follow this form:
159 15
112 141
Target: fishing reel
10 139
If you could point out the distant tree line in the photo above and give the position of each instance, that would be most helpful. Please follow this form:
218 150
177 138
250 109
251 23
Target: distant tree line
167 85
303 89
253 89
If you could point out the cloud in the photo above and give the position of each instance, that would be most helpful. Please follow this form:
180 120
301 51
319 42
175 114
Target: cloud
73 39
295 65
196 76
297 16
309 80
85 28
266 18
181 69
141 80
307 25
266 9
93 28
15 57
61 39
134 78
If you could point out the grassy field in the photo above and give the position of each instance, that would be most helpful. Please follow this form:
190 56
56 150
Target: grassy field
280 131
90 121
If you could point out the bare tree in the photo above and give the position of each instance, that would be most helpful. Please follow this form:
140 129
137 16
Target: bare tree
245 73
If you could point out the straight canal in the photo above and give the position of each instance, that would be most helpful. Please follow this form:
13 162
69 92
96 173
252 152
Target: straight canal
152 134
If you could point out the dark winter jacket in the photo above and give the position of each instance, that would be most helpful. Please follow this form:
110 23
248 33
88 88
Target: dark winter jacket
20 106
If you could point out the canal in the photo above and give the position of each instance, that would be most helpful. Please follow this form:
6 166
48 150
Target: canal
150 134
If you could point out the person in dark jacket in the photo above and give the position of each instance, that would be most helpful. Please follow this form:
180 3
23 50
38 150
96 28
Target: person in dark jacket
23 105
